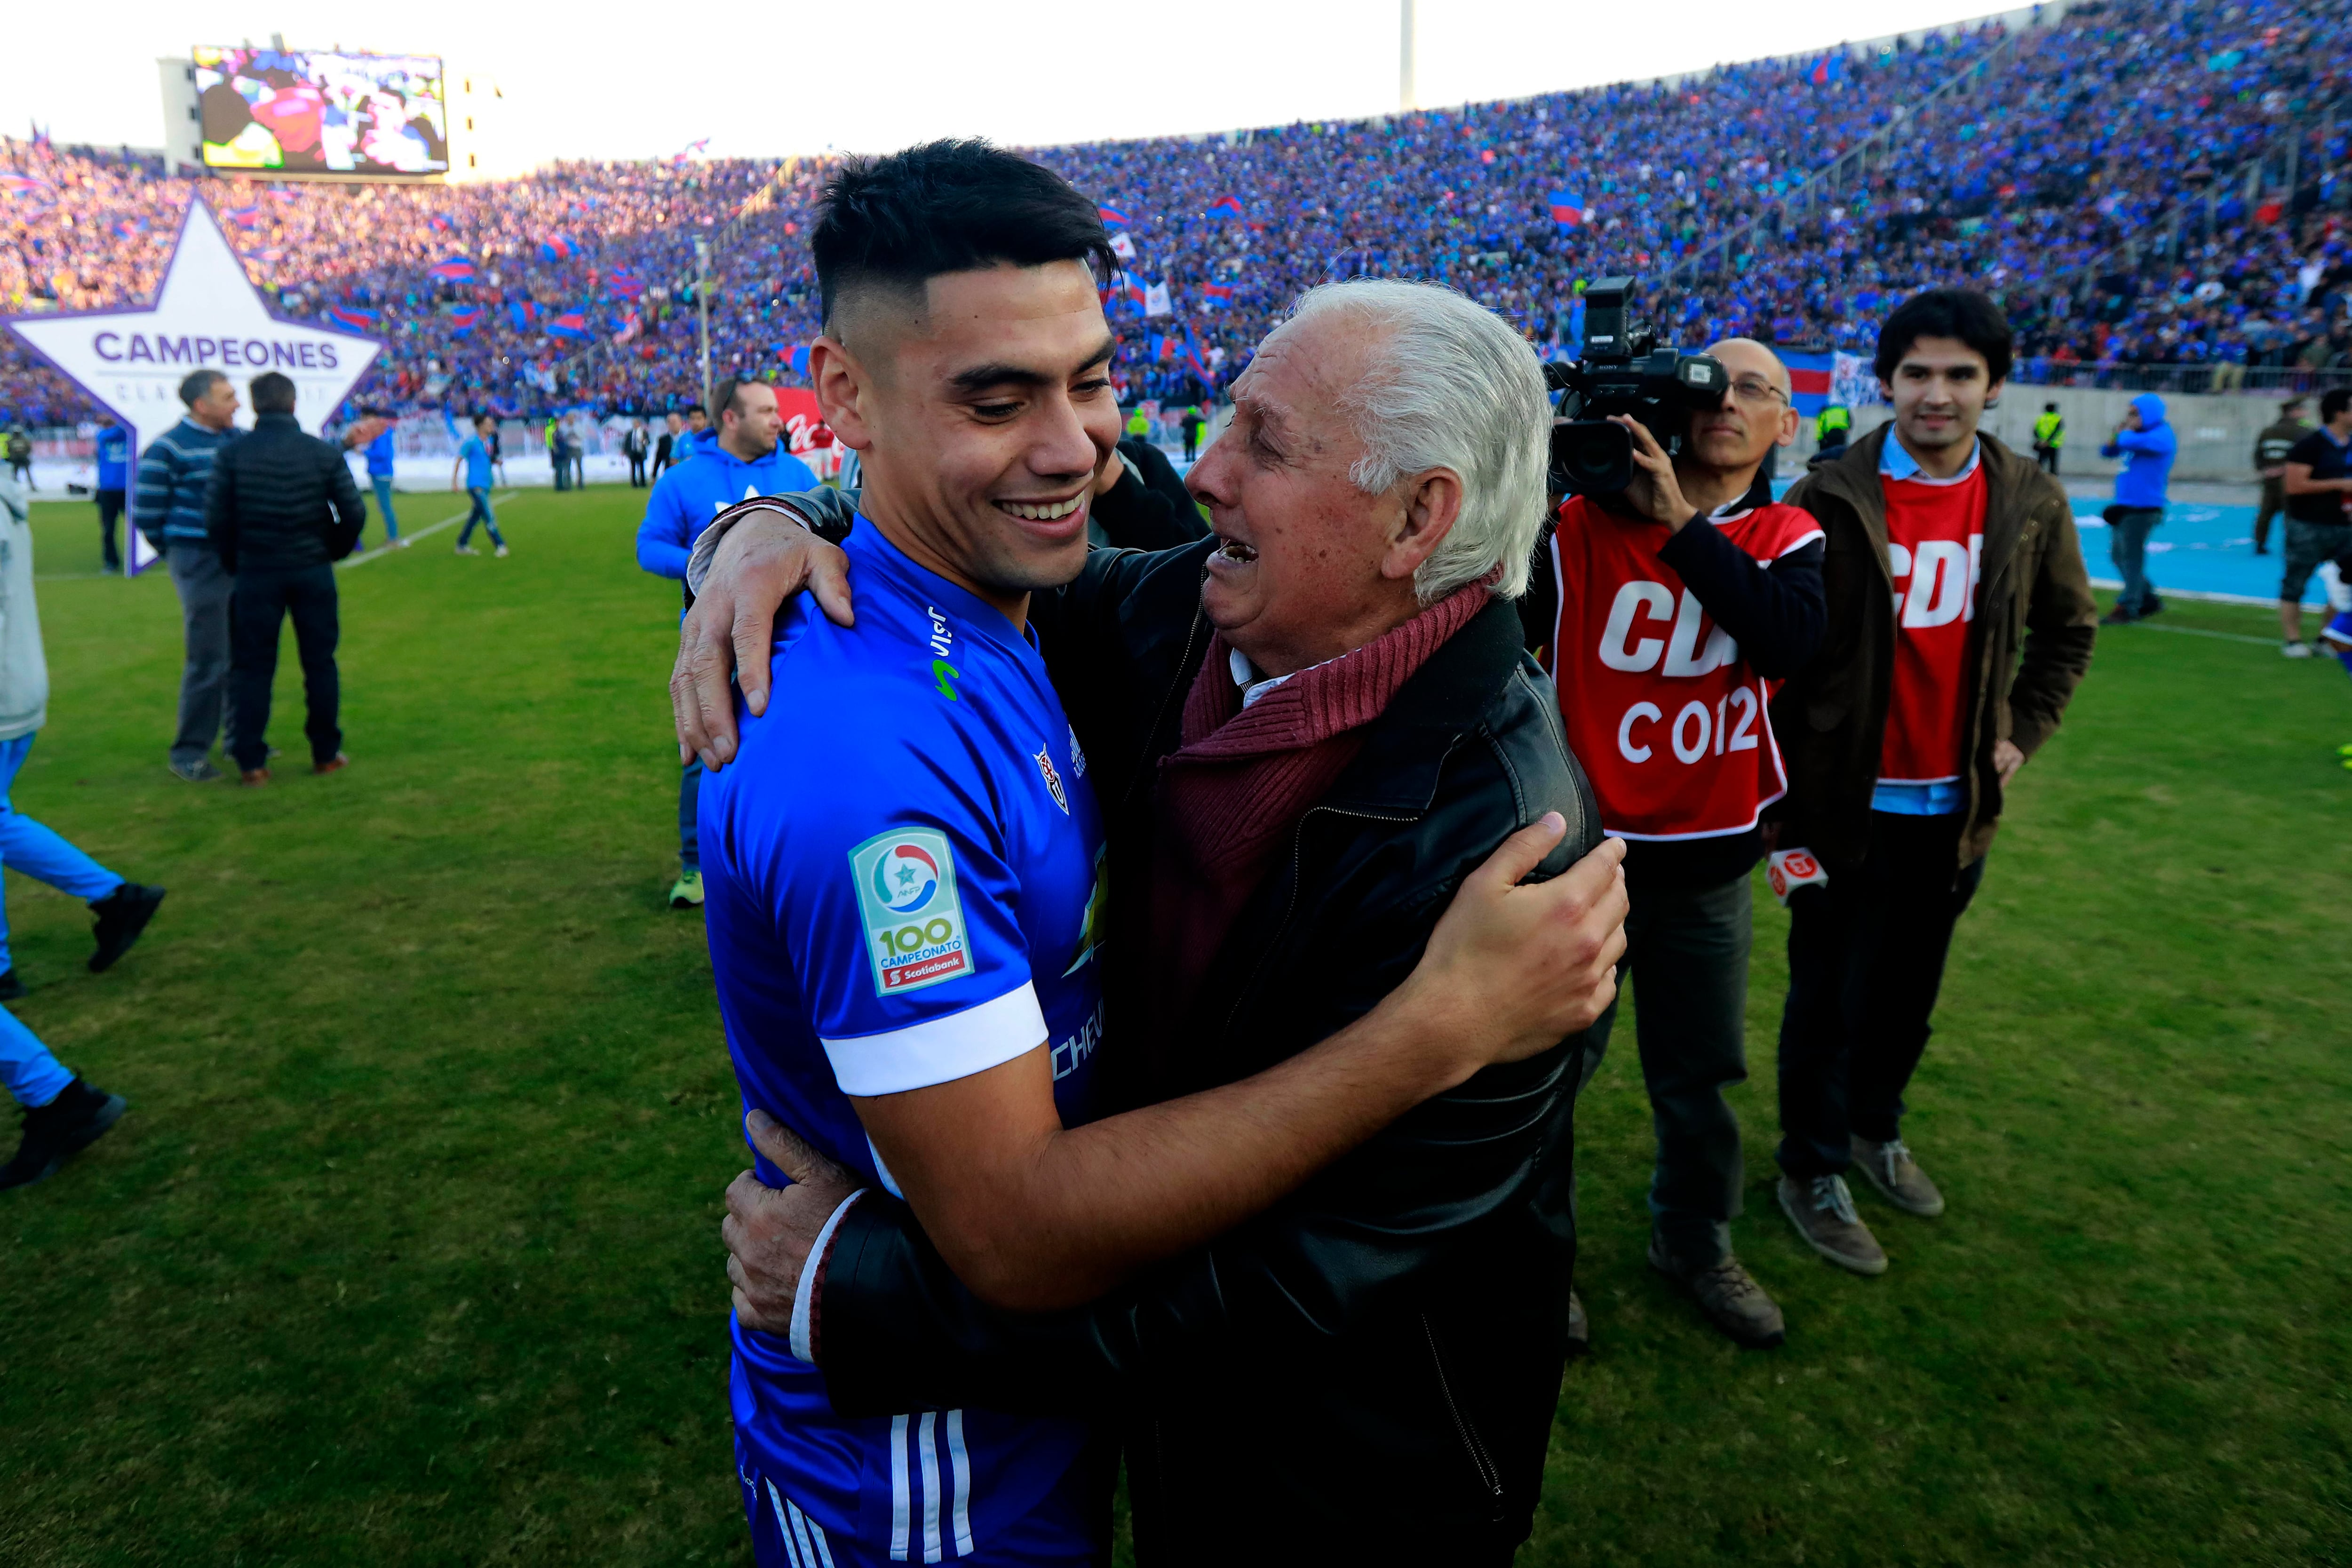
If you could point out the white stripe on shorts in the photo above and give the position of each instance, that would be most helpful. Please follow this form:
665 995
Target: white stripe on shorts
783 1529
961 1461
930 1459
899 1502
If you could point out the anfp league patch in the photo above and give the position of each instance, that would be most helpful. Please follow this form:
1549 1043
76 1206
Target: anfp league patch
907 896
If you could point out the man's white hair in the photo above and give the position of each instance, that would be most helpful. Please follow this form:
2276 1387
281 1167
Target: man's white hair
1451 386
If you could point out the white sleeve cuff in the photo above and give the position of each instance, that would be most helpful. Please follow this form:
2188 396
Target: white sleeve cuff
706 543
939 1050
805 1293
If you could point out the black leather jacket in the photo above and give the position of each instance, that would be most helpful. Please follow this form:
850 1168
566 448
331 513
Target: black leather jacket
1369 1371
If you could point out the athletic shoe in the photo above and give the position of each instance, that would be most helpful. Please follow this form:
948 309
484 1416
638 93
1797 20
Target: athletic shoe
686 893
201 771
122 914
401 543
333 765
1898 1176
501 552
2118 616
467 550
10 987
1730 1297
2295 649
2345 750
1577 1330
2337 632
78 1118
254 776
1822 1211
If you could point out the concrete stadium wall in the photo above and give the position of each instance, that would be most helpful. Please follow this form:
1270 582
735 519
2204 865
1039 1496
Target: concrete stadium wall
2216 433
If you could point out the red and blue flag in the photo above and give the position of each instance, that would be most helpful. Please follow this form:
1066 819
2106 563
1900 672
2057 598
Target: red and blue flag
464 320
456 269
1113 218
626 284
1808 381
1827 69
1569 211
569 324
557 247
522 312
1225 207
351 316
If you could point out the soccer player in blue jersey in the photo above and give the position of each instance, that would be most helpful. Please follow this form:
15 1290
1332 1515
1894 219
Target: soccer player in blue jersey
903 887
743 456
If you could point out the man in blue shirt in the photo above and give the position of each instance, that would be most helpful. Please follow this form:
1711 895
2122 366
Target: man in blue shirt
475 457
2146 445
113 479
380 471
742 457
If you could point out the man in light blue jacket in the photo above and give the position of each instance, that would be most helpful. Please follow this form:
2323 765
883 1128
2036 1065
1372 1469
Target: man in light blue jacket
739 456
2146 445
63 1113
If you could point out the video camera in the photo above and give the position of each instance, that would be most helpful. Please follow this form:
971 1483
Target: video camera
1624 370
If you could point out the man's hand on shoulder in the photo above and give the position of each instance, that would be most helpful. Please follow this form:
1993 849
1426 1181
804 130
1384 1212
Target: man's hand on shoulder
1515 967
763 560
770 1231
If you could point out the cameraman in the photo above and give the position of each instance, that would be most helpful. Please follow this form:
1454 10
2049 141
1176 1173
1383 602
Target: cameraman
1680 606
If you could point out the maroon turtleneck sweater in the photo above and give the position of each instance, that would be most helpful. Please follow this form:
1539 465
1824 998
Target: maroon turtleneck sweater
1242 778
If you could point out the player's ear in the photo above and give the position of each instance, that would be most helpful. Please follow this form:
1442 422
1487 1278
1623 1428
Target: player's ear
842 386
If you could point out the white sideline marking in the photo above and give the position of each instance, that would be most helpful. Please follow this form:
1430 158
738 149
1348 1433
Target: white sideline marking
427 531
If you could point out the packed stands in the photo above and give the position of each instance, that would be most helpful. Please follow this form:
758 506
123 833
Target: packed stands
2143 185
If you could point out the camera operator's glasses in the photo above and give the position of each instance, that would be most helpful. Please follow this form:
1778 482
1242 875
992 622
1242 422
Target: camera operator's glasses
1756 389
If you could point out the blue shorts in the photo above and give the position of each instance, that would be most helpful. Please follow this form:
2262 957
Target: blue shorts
784 1536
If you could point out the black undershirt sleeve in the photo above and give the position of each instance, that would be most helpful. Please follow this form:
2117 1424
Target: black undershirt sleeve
1777 612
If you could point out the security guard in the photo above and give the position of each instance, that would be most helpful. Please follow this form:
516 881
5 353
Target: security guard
2049 435
1831 425
2270 449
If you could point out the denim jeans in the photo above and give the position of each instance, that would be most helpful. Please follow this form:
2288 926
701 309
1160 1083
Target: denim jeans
383 486
264 601
39 851
481 514
1686 959
1866 956
2127 547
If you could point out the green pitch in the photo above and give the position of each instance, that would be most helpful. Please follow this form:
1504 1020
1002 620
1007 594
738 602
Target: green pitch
409 1252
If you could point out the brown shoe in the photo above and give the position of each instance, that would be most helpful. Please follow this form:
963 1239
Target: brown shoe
1822 1212
333 765
1730 1297
1898 1176
254 776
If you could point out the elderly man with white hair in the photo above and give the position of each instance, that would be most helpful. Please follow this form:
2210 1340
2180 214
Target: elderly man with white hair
1307 734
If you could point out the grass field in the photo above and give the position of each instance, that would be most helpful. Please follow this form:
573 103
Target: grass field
408 1253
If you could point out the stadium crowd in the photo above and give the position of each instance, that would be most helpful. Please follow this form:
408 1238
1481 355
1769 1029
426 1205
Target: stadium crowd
2128 237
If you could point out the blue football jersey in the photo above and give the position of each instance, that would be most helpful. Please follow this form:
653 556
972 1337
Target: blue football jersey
902 875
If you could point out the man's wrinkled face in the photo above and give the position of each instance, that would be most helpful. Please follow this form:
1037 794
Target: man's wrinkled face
1300 544
1939 391
1756 414
983 413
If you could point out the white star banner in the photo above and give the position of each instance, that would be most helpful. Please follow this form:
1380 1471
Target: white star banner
208 316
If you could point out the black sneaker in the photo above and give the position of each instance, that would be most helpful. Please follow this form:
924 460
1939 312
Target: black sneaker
10 987
78 1118
122 914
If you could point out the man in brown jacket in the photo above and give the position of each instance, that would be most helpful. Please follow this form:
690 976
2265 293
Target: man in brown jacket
1961 620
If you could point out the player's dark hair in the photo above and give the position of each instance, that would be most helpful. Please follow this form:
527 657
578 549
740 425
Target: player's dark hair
482 420
197 383
2333 402
948 207
273 393
1961 313
695 408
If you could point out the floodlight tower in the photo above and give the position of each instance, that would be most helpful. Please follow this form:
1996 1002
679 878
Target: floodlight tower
1404 57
